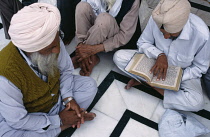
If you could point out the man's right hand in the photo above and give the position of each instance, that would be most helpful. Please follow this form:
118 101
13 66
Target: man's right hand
69 117
160 67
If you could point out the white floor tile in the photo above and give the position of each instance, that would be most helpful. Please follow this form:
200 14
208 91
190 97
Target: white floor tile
138 101
158 112
101 126
136 129
112 103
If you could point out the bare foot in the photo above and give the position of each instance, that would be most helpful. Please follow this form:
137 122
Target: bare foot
75 63
95 60
89 116
132 83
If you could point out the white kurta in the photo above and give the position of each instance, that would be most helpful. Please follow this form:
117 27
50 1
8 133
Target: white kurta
15 121
190 51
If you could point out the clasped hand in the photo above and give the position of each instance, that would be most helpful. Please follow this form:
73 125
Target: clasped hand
83 51
72 115
160 67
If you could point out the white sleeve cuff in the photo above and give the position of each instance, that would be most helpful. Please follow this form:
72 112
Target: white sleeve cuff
55 122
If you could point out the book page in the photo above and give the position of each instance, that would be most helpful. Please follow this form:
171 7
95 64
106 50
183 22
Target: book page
173 76
143 66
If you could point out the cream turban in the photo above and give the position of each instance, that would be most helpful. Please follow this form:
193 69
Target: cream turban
34 27
172 14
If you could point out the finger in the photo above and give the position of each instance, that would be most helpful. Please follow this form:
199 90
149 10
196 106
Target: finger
84 67
67 107
77 110
89 60
152 69
155 71
82 115
81 58
164 74
78 124
160 74
87 65
83 120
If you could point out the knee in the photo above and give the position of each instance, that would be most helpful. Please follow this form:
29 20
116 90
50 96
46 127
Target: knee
82 8
117 57
104 20
197 104
90 84
121 58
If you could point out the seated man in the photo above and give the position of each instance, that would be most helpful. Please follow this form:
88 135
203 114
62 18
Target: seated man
176 37
104 25
36 78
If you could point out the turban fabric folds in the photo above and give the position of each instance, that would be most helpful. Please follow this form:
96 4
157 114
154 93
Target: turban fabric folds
35 26
172 14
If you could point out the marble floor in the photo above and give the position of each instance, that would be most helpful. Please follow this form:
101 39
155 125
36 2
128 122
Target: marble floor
129 113
125 113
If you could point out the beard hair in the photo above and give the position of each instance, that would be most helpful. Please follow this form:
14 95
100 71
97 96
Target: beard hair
47 64
108 3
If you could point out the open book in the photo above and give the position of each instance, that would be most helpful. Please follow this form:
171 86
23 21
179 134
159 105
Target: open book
140 65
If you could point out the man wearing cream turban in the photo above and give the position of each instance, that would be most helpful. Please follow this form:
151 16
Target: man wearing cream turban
174 36
39 94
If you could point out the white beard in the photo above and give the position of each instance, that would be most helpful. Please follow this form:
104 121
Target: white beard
47 65
108 3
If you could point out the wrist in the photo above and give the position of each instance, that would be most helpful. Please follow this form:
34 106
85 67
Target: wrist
67 100
98 48
161 54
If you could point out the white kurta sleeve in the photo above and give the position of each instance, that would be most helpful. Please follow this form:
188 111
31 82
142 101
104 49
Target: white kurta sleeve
66 68
16 116
200 62
146 41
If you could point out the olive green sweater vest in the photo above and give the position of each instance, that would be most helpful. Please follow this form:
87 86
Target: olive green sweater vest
37 94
